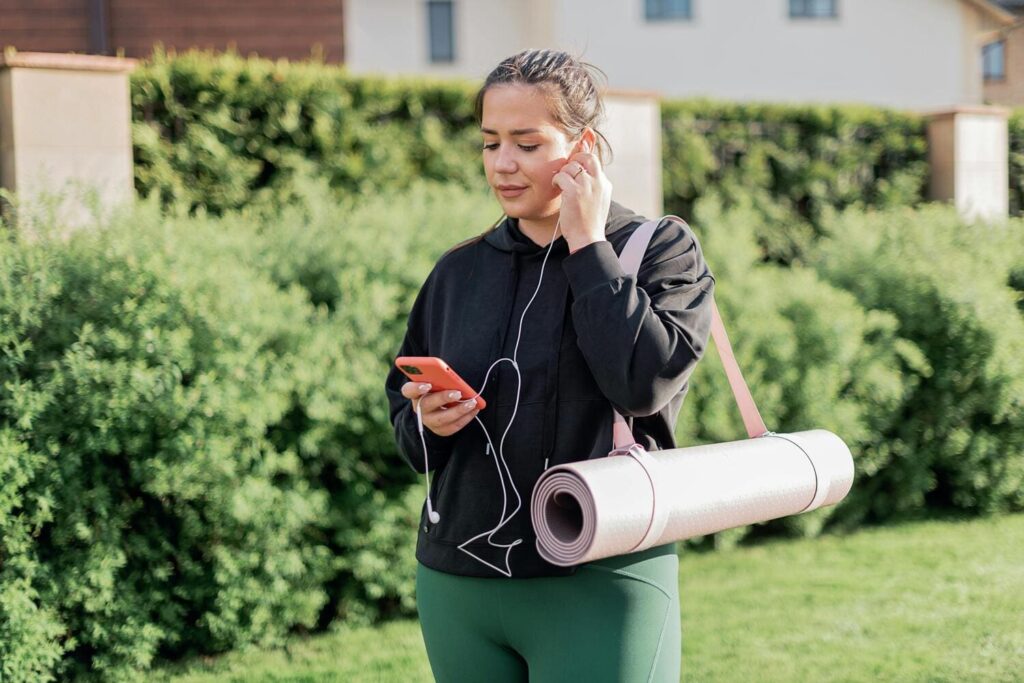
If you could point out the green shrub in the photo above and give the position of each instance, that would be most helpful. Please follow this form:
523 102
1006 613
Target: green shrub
1015 132
163 519
801 163
812 356
223 132
195 446
31 632
958 439
362 267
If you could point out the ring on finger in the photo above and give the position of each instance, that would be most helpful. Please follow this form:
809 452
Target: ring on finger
582 170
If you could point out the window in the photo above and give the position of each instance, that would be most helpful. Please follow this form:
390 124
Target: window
993 59
657 10
801 9
440 15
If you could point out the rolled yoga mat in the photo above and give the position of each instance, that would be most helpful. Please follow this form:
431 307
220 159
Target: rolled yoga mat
632 500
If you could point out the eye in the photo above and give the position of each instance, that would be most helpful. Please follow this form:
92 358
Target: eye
525 148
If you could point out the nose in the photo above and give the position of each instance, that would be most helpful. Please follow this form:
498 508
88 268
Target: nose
505 160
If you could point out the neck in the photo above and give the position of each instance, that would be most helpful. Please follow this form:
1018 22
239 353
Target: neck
539 230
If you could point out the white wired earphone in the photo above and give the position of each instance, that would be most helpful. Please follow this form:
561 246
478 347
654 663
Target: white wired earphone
431 513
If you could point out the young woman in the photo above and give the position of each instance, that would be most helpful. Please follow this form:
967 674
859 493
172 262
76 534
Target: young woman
537 315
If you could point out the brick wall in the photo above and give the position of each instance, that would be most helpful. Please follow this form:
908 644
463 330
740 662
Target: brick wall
45 25
271 28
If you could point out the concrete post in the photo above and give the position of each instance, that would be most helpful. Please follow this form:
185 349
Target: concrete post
633 128
968 152
65 124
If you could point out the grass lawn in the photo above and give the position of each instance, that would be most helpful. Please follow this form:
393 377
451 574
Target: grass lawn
928 601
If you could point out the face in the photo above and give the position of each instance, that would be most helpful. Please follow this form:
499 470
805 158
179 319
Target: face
523 148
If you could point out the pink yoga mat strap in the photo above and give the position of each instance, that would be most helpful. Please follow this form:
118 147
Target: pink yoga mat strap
630 259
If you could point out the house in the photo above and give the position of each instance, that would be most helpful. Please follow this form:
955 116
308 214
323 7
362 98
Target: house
105 27
913 54
1003 59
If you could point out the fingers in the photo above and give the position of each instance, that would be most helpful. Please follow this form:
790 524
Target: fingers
459 422
590 163
414 389
563 181
575 170
438 419
446 421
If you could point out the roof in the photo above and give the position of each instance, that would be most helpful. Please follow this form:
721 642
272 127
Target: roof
994 10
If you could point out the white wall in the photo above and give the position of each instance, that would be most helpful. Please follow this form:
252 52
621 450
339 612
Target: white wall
907 53
390 36
901 53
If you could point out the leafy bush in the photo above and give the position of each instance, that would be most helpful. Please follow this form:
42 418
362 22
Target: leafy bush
958 439
1015 132
223 132
801 163
152 374
362 267
813 357
31 631
195 446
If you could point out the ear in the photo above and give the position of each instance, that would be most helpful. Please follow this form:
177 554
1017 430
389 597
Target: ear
588 141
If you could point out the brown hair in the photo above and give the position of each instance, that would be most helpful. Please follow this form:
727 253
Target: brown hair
570 87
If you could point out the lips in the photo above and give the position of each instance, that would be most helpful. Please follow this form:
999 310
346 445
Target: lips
511 190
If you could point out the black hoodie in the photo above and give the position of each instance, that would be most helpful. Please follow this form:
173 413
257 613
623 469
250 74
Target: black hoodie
592 339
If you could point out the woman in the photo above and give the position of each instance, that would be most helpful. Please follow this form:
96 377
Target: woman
537 315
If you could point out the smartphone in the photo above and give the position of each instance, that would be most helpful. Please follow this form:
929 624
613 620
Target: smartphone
439 375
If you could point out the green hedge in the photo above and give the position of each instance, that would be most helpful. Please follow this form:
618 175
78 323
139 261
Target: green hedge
221 132
1015 131
143 365
905 337
812 355
194 446
957 441
801 163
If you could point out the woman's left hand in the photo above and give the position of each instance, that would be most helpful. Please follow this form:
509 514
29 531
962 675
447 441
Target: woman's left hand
586 198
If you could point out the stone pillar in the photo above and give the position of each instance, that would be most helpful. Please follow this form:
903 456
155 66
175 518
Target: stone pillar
65 127
968 152
633 128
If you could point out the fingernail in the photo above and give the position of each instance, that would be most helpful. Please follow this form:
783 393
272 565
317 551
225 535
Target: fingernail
454 394
470 404
424 387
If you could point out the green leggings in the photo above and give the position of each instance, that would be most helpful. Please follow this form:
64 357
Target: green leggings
615 619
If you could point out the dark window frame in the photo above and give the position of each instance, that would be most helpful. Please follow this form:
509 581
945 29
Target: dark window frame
986 76
438 52
802 9
660 10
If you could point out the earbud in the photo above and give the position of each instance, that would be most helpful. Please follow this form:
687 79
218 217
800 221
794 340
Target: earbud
433 516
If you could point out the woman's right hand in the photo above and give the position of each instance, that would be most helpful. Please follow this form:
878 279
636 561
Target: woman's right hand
438 419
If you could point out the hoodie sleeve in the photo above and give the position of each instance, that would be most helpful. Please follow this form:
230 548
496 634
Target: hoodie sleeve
642 342
403 419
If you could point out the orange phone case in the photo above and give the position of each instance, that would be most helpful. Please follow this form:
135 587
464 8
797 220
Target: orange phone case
439 375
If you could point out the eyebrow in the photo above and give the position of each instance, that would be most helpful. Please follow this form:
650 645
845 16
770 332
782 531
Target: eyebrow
517 131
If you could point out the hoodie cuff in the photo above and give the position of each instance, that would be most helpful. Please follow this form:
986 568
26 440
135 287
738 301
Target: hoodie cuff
591 266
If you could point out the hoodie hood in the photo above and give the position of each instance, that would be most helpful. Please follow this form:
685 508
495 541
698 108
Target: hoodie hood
508 237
